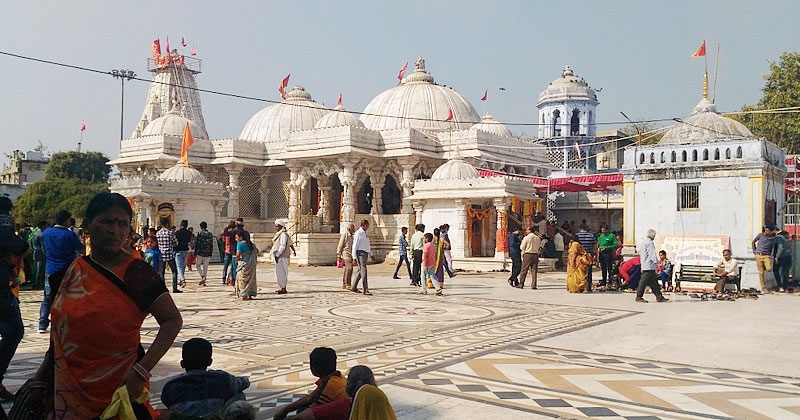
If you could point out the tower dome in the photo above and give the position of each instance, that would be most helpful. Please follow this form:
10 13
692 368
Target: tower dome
567 108
274 122
337 118
419 103
567 87
705 125
180 172
172 124
490 125
455 168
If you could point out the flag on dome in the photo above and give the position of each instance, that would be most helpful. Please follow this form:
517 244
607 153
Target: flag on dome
156 48
340 99
168 50
701 52
83 125
187 142
282 86
449 115
402 73
193 51
183 42
485 93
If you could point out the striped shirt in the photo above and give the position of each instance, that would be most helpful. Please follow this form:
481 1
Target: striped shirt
587 240
402 246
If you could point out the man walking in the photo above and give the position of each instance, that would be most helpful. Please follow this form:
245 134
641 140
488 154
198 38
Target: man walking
417 242
281 249
783 259
531 247
61 247
515 252
362 251
203 247
166 244
402 248
227 235
763 247
649 261
589 245
184 237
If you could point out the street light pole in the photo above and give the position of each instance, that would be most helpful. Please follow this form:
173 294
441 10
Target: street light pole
635 127
122 75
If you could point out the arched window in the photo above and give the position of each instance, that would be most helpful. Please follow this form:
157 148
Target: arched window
365 197
663 157
391 197
694 155
716 154
641 158
728 153
683 156
652 158
556 123
674 156
705 154
739 152
575 123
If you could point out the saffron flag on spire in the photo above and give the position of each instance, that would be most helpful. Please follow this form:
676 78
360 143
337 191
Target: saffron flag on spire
183 42
168 50
156 48
449 115
402 72
485 93
340 99
701 52
83 125
282 86
187 142
193 51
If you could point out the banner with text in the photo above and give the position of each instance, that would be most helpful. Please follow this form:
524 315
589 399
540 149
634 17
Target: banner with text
694 249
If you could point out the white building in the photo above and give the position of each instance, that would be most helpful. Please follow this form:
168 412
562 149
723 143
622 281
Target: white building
707 176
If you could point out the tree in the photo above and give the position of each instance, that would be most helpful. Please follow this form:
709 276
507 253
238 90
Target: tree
643 133
71 180
82 166
781 90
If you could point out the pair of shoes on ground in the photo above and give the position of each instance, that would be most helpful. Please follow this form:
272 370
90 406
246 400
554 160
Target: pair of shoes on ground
395 277
662 299
366 292
281 291
438 293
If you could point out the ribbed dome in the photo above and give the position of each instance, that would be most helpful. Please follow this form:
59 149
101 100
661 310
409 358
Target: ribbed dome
490 125
705 125
179 172
273 123
567 87
455 168
419 103
337 118
172 124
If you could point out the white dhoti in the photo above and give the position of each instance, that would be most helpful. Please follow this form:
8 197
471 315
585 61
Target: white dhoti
282 272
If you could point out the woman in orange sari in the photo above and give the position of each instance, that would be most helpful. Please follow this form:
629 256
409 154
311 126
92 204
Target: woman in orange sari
577 262
98 310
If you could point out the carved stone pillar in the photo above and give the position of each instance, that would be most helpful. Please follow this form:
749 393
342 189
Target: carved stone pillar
419 206
263 191
460 239
376 182
296 182
348 181
218 206
142 205
407 184
233 192
324 212
501 235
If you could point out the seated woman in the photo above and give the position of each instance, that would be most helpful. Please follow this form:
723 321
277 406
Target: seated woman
99 304
577 262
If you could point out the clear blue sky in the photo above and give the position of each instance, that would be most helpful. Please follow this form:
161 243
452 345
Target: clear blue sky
636 51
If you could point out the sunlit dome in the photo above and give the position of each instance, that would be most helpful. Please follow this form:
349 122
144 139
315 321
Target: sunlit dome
180 172
274 122
490 125
567 87
455 168
705 125
337 118
419 103
173 124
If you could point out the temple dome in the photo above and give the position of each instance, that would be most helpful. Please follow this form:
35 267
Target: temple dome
172 124
180 172
274 122
490 125
705 125
337 118
567 87
455 168
419 103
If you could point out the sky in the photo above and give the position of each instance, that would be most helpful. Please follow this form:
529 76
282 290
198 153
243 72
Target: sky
637 52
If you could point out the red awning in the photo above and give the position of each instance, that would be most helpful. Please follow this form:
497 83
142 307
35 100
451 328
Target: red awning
579 183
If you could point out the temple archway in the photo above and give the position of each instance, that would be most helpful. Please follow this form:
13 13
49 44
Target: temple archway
364 205
391 196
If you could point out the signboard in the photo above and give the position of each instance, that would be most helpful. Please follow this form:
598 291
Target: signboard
694 249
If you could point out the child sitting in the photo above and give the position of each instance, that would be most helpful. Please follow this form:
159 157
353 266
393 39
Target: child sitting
664 271
330 386
201 392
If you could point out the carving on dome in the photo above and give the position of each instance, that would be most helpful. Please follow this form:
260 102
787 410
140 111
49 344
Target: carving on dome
420 64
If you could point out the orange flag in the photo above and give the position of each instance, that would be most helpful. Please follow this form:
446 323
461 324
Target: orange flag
283 85
156 48
701 52
187 142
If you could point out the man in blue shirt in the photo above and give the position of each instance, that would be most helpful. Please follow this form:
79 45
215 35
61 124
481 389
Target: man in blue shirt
649 261
515 252
402 248
61 247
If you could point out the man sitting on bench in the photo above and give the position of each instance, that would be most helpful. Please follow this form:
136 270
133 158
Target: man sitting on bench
726 270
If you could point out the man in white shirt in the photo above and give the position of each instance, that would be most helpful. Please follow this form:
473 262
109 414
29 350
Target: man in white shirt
361 250
649 261
531 247
281 248
558 241
417 242
726 270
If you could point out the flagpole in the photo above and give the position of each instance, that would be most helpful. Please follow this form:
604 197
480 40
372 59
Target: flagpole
716 67
80 141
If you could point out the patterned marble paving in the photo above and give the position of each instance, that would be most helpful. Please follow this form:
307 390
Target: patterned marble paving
475 349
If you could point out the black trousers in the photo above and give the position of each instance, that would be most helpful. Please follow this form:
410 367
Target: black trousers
649 278
516 267
606 263
781 269
416 255
403 258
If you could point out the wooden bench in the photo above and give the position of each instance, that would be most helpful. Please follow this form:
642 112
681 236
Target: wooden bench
701 277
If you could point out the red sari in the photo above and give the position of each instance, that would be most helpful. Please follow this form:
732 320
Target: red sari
96 333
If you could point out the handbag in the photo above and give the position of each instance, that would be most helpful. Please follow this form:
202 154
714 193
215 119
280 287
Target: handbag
339 262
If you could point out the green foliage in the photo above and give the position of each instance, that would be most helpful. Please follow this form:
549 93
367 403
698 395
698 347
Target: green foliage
83 166
781 90
42 199
642 133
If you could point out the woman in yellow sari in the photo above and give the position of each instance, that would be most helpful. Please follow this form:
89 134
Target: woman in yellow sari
577 262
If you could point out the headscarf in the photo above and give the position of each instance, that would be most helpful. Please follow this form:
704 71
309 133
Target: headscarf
370 403
575 252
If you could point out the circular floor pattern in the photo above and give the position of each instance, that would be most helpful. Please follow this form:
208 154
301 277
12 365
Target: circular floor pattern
412 312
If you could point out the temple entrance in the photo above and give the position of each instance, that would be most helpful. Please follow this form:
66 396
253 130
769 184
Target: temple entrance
336 200
391 197
365 198
476 238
